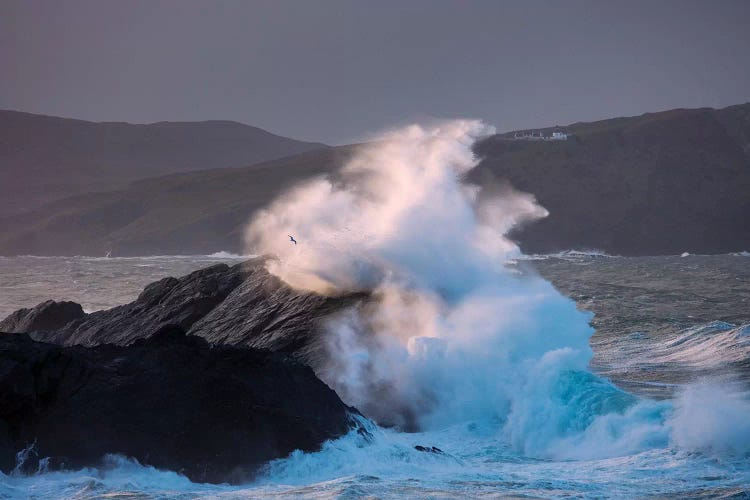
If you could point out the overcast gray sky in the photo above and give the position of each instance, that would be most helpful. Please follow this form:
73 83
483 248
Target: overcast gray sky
335 71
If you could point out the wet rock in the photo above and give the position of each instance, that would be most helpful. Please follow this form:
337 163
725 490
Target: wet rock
180 301
243 305
266 313
172 401
47 316
429 449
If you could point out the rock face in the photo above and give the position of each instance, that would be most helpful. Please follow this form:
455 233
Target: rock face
172 401
180 301
264 312
47 316
242 305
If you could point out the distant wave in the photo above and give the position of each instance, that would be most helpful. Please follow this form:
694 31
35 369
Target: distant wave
229 255
743 253
569 255
585 254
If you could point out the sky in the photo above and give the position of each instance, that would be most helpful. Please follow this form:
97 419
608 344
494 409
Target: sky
339 71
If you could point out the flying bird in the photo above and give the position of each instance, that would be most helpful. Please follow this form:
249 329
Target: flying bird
291 238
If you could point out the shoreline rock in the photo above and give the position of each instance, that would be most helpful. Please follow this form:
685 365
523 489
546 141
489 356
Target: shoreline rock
243 305
47 316
172 401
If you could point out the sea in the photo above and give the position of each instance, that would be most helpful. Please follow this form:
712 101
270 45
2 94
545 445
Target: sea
671 350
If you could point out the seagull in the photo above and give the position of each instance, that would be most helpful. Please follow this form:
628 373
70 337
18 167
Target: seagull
291 238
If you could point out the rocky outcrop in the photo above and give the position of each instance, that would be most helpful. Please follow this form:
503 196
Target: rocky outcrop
175 301
264 312
47 316
214 414
243 305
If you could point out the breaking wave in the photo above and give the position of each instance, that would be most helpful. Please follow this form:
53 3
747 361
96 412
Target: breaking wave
453 338
573 255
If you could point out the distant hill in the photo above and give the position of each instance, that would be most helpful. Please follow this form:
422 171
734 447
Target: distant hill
660 183
191 213
44 158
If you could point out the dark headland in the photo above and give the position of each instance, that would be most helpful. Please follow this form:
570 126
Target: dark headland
659 183
206 375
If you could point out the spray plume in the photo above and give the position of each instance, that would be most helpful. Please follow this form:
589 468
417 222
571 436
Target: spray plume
451 335
398 207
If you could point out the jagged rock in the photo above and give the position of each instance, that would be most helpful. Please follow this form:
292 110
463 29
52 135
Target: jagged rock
172 401
180 301
47 316
264 312
243 305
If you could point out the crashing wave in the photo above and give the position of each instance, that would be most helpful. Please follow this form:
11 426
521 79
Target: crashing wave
452 336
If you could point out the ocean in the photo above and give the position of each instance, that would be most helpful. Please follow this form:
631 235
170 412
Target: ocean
661 410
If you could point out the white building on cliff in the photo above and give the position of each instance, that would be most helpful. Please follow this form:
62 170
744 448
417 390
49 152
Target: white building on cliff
539 136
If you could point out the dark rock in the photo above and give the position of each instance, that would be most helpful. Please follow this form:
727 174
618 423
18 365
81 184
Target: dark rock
264 312
172 402
47 316
243 305
429 449
180 301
